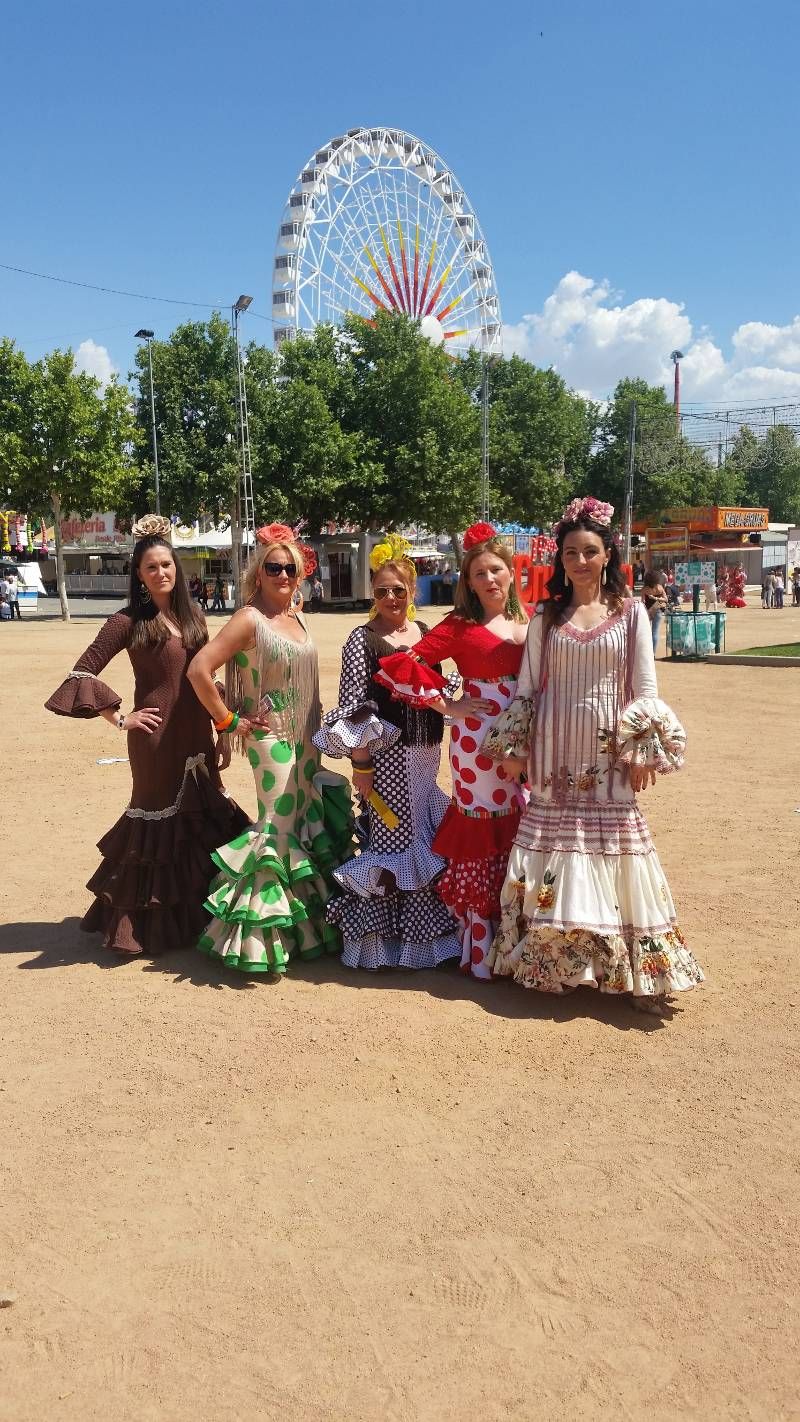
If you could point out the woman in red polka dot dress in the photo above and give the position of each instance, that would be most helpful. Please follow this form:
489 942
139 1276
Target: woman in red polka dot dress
484 635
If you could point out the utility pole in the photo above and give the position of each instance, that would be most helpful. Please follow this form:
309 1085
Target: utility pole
145 335
676 357
243 524
628 516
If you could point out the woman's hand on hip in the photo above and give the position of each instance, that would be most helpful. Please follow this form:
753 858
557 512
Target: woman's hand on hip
469 706
147 718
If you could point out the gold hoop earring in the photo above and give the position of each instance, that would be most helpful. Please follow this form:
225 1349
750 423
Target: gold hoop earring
373 612
411 612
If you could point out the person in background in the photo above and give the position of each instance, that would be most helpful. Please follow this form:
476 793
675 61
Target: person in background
12 584
778 588
654 597
317 592
767 590
796 587
639 571
218 605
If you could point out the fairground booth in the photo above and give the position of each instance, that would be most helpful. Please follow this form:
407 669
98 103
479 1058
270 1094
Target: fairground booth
697 544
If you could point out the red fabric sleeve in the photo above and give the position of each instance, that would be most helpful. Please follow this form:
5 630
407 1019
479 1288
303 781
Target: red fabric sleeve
82 693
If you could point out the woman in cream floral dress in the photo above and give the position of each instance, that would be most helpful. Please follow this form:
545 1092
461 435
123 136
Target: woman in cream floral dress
585 901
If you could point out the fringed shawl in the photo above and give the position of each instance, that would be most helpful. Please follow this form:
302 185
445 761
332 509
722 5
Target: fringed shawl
285 684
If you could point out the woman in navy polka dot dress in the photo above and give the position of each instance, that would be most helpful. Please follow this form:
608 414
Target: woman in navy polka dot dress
268 900
484 636
389 913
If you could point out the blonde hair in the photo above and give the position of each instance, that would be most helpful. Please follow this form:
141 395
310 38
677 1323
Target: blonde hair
402 568
260 557
466 603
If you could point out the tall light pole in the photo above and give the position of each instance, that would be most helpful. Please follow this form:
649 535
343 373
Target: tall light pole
676 357
144 335
243 521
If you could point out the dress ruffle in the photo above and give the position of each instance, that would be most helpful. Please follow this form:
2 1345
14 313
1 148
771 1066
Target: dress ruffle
473 886
355 728
650 734
269 904
84 696
383 873
155 872
399 931
602 920
408 677
475 836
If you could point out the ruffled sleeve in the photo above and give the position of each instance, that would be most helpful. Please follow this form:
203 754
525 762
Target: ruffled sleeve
410 675
512 732
355 723
650 734
82 693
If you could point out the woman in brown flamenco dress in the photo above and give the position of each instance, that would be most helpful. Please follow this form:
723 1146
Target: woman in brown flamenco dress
156 866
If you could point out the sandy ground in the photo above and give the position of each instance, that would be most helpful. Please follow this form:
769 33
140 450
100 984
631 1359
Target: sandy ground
400 1197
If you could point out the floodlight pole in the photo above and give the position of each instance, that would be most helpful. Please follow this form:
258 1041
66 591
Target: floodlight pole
144 335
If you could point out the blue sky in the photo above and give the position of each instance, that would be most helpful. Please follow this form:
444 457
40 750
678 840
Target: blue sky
634 167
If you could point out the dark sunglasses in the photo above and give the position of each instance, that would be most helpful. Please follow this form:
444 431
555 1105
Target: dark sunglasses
397 588
274 570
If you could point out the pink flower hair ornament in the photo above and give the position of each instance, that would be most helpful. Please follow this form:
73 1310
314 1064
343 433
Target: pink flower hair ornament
589 507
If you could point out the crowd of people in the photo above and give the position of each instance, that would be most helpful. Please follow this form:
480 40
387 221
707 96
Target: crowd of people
540 867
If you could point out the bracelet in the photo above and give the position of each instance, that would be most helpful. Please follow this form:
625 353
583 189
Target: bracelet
364 770
121 721
226 721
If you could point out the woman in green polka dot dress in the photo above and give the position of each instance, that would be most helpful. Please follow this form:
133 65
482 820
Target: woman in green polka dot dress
268 900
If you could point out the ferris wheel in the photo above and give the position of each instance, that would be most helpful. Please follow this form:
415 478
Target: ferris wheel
375 222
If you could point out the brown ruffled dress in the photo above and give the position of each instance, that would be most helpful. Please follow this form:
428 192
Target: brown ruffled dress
156 865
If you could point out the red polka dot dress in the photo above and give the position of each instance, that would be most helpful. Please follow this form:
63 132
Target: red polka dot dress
479 827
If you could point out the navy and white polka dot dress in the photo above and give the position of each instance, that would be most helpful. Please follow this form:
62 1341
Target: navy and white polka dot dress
389 913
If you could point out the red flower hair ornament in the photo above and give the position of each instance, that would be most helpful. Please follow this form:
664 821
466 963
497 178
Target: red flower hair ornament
477 533
309 559
275 533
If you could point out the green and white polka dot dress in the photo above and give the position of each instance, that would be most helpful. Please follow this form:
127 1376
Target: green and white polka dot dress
268 901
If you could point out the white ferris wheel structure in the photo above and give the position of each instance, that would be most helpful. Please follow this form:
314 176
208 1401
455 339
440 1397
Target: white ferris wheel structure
376 221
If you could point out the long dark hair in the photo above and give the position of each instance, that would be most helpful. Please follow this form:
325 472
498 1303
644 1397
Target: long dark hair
616 587
149 627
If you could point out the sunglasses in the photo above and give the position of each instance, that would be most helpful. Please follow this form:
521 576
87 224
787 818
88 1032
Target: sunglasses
397 589
274 570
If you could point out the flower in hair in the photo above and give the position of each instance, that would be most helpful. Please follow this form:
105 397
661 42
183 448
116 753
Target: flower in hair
391 549
151 526
309 559
275 533
478 533
589 507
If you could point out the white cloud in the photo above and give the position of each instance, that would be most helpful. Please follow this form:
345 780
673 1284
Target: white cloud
587 332
95 360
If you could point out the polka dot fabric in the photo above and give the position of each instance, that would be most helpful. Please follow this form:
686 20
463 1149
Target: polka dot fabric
268 900
389 913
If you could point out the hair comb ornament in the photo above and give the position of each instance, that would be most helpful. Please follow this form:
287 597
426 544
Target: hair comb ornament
151 526
589 507
477 533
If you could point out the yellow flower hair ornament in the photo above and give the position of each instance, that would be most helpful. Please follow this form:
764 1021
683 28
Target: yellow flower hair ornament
391 549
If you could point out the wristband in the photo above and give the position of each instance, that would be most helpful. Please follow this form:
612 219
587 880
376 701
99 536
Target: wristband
121 721
226 721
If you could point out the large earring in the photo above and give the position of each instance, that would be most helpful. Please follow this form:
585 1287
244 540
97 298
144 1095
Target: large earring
373 612
144 594
603 576
411 612
566 583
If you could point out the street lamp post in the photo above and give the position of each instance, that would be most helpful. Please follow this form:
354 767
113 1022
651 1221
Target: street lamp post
676 357
144 335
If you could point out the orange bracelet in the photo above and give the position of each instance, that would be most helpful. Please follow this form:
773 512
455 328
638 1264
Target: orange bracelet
224 723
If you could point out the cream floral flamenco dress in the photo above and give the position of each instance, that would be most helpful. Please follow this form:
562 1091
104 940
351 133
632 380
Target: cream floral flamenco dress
268 900
586 901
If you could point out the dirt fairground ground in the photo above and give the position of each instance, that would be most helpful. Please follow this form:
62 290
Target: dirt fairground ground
400 1197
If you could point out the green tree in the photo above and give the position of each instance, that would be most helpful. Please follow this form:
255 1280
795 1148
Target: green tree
540 441
769 467
414 411
70 450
